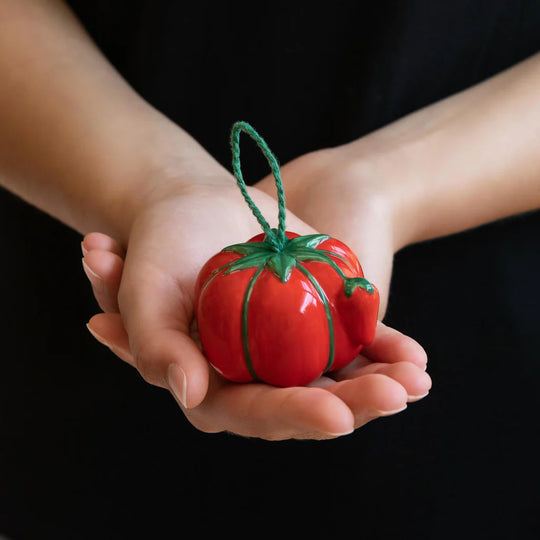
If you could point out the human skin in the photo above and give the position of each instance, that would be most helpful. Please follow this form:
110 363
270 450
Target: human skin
77 142
467 160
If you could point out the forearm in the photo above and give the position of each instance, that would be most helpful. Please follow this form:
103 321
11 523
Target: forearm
75 139
464 161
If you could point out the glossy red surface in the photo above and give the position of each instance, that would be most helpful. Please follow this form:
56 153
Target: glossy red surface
288 333
285 328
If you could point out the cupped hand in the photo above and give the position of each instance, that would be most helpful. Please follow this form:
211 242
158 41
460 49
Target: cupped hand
347 198
147 298
171 238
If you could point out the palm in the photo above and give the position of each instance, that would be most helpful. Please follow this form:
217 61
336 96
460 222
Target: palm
169 244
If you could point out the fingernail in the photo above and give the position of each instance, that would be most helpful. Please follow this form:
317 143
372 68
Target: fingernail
177 381
340 434
95 279
416 398
83 249
389 413
89 272
99 338
115 350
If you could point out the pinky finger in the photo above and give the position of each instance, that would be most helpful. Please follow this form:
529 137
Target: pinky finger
371 396
97 240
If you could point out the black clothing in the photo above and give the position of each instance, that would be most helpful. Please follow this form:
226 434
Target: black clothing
89 450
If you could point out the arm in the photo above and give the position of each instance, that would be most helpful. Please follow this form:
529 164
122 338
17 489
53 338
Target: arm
78 142
467 160
464 161
75 139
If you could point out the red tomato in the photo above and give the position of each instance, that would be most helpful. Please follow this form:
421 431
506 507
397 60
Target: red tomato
284 317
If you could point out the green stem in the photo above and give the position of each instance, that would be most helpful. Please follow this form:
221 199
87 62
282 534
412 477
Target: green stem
245 334
275 237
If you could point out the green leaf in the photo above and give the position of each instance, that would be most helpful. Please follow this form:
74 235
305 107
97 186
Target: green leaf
318 255
254 260
332 254
352 283
306 241
249 248
307 254
281 265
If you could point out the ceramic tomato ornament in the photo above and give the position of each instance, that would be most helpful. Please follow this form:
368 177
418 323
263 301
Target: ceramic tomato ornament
282 308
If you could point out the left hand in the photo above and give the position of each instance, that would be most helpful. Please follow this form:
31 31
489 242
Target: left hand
348 198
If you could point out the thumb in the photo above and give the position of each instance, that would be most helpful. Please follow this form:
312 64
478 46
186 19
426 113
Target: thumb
156 314
152 333
189 369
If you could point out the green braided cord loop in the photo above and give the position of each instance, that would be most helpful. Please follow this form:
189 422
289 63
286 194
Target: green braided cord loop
276 237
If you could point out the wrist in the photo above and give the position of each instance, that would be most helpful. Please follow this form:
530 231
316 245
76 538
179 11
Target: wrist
165 162
388 180
467 160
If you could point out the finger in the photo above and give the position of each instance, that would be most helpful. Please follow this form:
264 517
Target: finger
371 396
157 315
96 240
104 270
109 330
414 379
264 411
390 346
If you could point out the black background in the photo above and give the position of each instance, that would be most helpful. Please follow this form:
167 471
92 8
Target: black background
89 450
